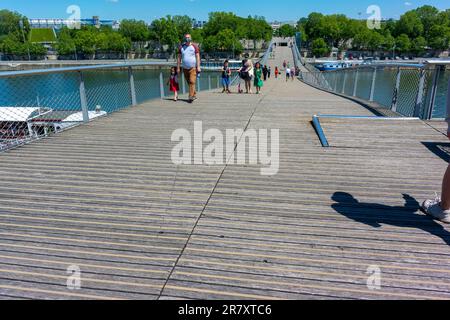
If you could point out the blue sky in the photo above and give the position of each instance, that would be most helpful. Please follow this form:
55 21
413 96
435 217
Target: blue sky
281 10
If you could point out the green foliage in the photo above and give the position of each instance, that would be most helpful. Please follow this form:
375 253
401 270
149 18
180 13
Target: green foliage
10 22
414 32
183 24
65 44
42 35
224 30
286 30
403 43
136 31
13 45
410 25
14 35
89 40
320 48
418 45
166 32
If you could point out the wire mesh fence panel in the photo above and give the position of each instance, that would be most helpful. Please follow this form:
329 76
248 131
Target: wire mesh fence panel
349 82
35 106
407 94
384 86
202 81
108 90
146 82
165 83
440 102
364 83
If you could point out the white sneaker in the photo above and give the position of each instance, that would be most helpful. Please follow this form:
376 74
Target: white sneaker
434 210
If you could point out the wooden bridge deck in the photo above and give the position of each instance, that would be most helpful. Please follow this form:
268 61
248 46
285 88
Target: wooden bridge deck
107 198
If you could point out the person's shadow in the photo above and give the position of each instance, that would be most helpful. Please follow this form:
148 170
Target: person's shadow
375 214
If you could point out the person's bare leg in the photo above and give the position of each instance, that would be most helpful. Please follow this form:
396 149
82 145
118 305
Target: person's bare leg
445 197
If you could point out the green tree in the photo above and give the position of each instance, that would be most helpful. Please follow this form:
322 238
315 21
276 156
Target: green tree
86 40
166 32
429 16
226 41
320 48
197 35
10 22
410 24
65 44
219 21
286 30
418 46
136 31
403 43
439 38
183 25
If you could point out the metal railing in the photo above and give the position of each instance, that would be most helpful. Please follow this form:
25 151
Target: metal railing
267 54
407 90
37 103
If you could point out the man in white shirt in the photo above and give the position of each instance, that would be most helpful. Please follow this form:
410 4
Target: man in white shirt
189 60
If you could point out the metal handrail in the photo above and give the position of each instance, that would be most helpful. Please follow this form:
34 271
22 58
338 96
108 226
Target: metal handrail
422 80
162 64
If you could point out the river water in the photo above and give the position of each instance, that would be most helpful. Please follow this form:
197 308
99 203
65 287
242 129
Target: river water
108 89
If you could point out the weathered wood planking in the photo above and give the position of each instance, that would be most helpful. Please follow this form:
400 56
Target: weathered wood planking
106 197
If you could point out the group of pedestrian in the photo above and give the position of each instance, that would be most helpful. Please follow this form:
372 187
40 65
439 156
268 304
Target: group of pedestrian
189 61
256 73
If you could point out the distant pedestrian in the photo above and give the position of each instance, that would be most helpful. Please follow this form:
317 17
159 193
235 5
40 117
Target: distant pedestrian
226 74
189 59
277 72
265 72
288 74
284 64
269 72
292 74
258 78
173 83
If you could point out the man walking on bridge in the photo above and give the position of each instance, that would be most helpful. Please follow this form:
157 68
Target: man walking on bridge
189 59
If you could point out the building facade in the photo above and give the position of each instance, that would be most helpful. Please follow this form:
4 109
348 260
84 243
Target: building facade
60 23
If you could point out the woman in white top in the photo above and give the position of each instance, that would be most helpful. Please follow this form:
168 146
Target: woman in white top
247 72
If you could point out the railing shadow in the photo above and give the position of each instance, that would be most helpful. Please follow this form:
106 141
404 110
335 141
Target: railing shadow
442 150
375 214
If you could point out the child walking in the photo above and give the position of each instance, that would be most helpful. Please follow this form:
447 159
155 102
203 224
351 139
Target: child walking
173 83
226 73
277 72
258 82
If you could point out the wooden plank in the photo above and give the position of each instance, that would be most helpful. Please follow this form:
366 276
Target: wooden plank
105 196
